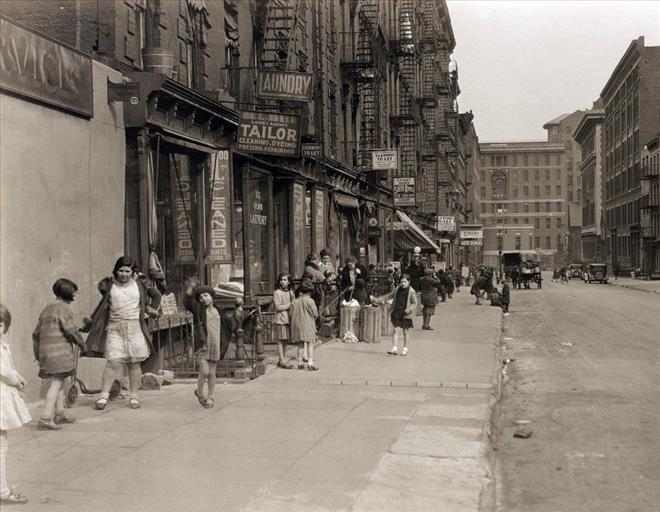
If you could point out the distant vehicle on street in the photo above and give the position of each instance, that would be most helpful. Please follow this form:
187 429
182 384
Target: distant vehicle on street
523 269
597 272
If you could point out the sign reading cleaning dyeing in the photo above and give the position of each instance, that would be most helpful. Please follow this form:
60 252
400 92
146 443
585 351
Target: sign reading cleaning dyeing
284 85
269 133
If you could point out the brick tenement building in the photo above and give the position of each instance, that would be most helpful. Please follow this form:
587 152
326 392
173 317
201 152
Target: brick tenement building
631 98
523 205
589 135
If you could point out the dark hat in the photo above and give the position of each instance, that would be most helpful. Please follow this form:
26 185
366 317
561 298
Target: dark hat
203 289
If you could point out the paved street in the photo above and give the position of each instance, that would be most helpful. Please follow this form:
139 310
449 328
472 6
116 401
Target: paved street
584 380
368 432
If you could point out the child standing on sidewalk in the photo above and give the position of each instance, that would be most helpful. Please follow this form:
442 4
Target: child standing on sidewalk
206 317
404 304
282 299
303 324
506 296
55 340
13 412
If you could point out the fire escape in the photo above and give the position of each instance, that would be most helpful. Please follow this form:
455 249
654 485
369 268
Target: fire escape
284 36
649 202
364 63
406 52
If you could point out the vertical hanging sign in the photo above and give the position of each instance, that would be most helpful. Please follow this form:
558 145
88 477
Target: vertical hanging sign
220 215
184 252
298 229
319 219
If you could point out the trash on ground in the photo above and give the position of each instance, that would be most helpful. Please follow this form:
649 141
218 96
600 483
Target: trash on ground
523 433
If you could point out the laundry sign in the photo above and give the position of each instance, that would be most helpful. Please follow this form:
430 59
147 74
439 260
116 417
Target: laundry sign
284 85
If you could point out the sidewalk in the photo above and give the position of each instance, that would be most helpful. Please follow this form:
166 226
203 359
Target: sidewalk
368 432
636 284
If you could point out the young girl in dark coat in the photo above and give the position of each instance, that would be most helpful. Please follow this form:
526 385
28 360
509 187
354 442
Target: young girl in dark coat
55 341
404 304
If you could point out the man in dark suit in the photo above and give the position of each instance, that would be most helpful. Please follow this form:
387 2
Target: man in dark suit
429 286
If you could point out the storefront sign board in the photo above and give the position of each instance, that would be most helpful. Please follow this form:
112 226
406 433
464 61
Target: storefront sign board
471 242
284 85
219 250
384 159
471 233
319 219
269 133
35 67
404 191
184 252
298 229
446 223
311 150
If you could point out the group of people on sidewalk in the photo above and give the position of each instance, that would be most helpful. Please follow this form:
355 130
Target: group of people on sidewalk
117 330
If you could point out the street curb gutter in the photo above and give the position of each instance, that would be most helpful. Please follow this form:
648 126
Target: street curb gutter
488 500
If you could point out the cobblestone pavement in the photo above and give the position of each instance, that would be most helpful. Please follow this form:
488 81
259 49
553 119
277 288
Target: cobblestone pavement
367 432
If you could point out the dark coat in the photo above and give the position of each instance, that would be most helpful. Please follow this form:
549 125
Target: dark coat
345 282
506 294
416 271
429 287
96 339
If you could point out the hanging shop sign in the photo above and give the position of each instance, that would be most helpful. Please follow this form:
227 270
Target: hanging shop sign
404 191
319 219
298 228
471 233
311 150
184 252
446 223
384 159
475 242
269 133
35 67
284 85
220 210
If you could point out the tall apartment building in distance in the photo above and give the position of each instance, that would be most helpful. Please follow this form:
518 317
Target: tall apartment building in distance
631 98
523 201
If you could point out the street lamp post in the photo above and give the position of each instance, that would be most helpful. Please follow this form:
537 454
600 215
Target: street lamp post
500 241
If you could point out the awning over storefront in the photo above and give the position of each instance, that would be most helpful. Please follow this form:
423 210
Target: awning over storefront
412 235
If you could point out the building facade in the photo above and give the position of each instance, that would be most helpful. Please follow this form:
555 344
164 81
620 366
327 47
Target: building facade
631 100
589 135
650 208
560 130
522 200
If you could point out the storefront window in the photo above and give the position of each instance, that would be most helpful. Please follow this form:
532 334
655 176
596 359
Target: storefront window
259 225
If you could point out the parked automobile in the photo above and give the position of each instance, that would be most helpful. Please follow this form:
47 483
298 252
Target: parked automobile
597 272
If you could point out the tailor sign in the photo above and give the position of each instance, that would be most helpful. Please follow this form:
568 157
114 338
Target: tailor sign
284 86
35 67
446 223
269 133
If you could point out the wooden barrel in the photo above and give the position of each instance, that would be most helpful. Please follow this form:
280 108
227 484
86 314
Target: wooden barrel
158 60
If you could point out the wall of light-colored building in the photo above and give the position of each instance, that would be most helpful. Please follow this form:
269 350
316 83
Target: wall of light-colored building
62 196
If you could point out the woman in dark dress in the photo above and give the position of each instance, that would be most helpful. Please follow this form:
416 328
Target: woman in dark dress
404 304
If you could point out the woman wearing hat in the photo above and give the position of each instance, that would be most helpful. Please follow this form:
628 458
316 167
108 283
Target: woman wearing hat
119 328
207 321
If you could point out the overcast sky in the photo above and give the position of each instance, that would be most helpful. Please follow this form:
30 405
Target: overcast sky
524 62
